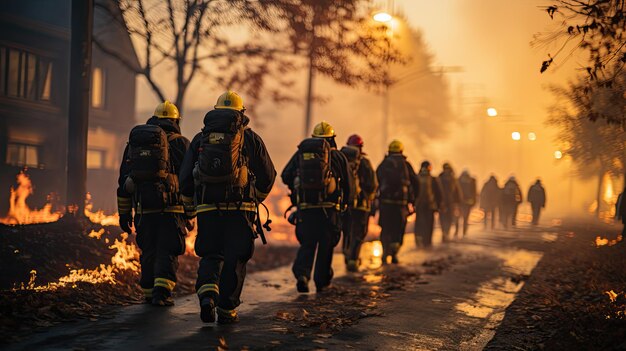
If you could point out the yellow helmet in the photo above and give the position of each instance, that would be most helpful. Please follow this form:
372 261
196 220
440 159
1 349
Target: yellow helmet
396 146
323 130
166 109
230 100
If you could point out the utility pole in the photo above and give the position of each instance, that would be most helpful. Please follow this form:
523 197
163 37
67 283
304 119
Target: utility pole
78 122
311 76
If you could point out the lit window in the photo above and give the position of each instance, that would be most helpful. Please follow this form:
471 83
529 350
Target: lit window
95 159
15 70
24 75
22 155
97 88
45 76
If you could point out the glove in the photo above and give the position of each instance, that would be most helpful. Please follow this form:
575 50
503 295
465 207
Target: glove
126 221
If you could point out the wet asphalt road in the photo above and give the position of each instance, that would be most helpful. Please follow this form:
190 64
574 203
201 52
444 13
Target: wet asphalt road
457 309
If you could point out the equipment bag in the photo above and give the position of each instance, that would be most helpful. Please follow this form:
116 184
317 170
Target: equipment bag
394 179
222 167
315 179
353 154
154 185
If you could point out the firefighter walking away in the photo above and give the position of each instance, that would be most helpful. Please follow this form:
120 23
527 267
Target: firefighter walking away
398 188
225 175
356 218
318 177
148 184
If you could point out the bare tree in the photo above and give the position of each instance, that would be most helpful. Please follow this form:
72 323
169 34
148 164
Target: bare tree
340 41
597 27
197 38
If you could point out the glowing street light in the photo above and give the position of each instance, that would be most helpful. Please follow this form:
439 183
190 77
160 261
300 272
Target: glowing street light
383 17
492 112
516 136
532 136
558 154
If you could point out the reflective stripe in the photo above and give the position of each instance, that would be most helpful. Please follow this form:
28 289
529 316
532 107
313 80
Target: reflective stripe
208 288
147 292
165 283
245 206
170 209
305 206
124 205
226 313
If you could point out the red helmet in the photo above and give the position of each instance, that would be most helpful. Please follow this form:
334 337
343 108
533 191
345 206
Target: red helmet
355 140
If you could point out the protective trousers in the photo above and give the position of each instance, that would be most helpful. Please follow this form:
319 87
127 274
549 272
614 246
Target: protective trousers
357 230
317 229
424 226
536 213
161 240
445 219
490 213
393 224
465 212
225 243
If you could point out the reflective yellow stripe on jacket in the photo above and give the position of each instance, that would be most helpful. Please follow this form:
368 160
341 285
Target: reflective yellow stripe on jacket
306 206
244 206
169 209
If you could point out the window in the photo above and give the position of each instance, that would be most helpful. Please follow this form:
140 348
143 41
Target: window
98 87
95 159
24 75
22 155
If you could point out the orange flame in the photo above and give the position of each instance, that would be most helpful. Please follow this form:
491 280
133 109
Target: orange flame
606 242
99 216
125 258
20 213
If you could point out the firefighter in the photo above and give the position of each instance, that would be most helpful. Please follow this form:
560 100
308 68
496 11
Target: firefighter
510 200
148 183
490 196
426 204
537 198
356 218
469 192
318 177
225 176
398 188
451 200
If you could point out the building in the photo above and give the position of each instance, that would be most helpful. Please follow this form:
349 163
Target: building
34 92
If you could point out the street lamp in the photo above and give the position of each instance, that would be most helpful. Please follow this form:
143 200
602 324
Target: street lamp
516 136
492 112
382 17
532 136
558 154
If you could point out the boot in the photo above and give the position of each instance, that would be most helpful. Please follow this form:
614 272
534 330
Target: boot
162 297
227 316
352 266
207 310
303 285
